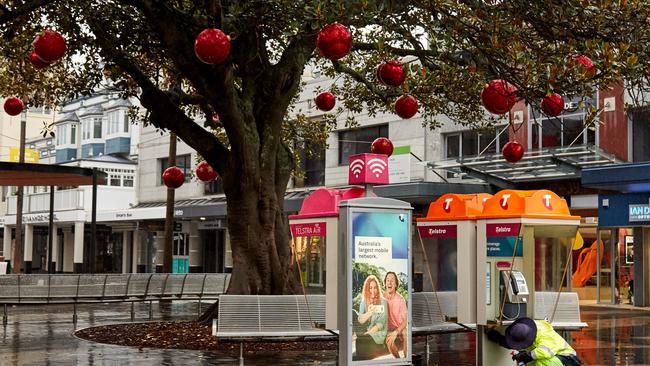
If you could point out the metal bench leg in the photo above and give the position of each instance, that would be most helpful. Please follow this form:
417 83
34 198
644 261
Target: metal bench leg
74 313
132 310
150 310
198 309
241 354
4 316
427 348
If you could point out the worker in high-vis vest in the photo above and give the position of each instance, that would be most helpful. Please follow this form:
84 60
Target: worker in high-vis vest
538 344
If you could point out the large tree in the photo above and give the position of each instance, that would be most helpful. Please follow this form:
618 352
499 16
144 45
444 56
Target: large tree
451 48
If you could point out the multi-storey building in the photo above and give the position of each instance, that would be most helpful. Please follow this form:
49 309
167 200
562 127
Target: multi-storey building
90 132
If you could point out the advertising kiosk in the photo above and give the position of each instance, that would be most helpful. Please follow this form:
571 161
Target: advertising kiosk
315 233
446 253
524 239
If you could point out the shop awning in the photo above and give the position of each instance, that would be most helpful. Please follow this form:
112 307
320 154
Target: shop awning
536 165
27 174
628 178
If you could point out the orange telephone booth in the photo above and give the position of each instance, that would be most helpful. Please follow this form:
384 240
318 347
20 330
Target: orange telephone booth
445 257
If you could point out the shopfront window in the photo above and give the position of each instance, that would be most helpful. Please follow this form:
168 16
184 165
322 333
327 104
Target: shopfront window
310 253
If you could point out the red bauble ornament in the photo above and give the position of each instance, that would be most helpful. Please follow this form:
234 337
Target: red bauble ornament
406 106
513 151
37 62
391 73
212 46
552 105
325 101
205 173
13 106
586 62
49 45
499 96
334 41
173 177
382 145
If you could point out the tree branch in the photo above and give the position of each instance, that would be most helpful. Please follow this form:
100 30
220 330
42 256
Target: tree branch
7 15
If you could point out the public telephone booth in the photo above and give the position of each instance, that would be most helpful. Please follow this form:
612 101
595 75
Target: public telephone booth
444 259
315 236
524 241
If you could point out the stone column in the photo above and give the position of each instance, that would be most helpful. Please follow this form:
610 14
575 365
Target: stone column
6 244
137 262
126 251
78 256
29 248
55 248
68 250
195 252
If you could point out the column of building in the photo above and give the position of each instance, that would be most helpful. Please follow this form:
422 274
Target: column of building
78 256
195 250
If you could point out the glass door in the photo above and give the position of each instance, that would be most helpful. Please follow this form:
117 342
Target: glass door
181 254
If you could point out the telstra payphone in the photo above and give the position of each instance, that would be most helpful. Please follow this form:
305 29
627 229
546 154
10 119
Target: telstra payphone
513 294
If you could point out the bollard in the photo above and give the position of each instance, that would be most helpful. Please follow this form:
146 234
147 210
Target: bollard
150 310
241 354
4 316
74 313
132 311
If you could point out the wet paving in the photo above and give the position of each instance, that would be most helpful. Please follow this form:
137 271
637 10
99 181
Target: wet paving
42 335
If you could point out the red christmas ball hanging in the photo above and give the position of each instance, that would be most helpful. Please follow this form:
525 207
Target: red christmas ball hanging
499 96
325 101
49 45
334 41
552 105
173 177
406 106
382 145
212 46
586 62
391 73
13 106
513 151
205 173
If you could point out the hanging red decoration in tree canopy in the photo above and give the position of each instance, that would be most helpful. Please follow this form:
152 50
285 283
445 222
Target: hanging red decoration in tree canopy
499 96
205 172
552 105
334 41
586 62
513 151
173 177
37 62
49 45
406 106
382 145
391 73
13 106
325 101
212 46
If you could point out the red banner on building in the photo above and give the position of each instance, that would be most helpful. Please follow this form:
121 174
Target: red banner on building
438 231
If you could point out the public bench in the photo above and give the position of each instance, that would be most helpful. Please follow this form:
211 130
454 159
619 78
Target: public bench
567 313
105 288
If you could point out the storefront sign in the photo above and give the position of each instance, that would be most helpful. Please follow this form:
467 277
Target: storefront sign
639 213
438 231
399 165
210 224
502 238
308 229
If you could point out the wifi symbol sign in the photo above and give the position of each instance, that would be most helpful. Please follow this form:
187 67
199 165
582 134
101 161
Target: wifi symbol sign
368 169
377 166
356 167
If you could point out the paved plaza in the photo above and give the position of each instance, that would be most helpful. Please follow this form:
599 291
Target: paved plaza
42 335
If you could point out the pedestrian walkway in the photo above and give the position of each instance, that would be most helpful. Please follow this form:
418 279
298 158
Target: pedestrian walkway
42 335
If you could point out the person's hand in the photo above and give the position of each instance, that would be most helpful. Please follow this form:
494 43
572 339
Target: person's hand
524 357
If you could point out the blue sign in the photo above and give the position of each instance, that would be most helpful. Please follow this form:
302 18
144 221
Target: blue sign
503 246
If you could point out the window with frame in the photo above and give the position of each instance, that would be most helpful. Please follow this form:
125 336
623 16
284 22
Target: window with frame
61 134
97 127
471 143
73 134
126 124
358 141
565 130
183 162
311 168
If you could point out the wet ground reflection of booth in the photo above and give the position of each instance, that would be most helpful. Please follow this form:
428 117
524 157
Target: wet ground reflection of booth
315 236
446 254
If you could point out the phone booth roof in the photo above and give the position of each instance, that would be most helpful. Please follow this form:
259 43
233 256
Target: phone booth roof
542 204
452 207
324 202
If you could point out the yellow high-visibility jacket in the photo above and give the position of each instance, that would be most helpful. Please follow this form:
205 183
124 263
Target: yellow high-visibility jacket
547 344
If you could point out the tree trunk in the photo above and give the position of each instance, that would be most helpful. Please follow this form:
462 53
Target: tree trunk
258 230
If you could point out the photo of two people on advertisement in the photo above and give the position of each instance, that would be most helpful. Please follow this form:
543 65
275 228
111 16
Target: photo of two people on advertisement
381 321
